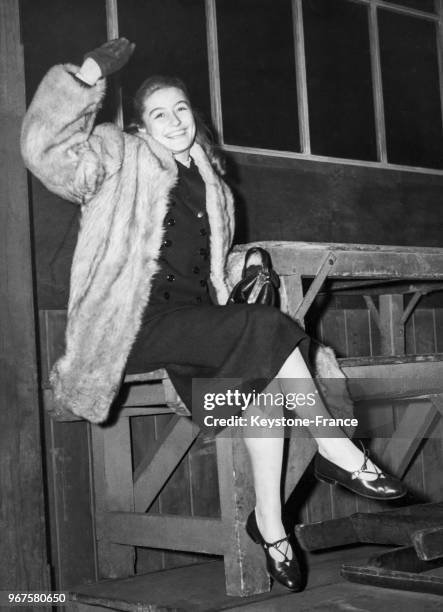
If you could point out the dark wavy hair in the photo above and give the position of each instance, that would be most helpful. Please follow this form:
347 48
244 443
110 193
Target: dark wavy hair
203 135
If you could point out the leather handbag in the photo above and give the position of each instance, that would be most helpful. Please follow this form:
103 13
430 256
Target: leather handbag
259 283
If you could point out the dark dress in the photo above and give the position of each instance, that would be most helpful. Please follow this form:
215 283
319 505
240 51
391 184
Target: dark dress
240 346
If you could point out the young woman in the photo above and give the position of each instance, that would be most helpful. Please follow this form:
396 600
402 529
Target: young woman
148 281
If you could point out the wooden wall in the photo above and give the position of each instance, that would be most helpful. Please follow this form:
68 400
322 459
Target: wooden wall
288 199
23 563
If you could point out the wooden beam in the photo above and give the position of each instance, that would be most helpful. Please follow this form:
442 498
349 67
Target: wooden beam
23 562
411 306
359 261
418 419
113 559
245 569
300 66
428 543
398 8
170 532
159 463
437 400
392 380
214 67
291 293
144 394
439 35
377 85
321 274
113 32
269 158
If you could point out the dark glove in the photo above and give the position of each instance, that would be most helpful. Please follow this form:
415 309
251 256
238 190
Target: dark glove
112 56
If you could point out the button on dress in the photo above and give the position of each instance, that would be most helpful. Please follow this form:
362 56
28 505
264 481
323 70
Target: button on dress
184 332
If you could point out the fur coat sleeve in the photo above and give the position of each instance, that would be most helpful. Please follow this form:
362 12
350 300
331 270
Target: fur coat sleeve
58 142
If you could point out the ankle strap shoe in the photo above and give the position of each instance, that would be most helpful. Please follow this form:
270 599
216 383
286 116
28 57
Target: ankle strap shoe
384 487
287 571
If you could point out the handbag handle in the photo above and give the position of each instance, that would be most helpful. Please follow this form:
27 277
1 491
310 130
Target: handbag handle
264 260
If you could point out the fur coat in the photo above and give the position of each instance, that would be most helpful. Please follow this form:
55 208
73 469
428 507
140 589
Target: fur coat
122 183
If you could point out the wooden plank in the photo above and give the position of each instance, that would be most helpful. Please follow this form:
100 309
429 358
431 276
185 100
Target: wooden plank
245 570
123 413
144 394
145 376
384 360
357 332
269 158
201 589
113 560
428 543
204 478
439 8
410 337
432 462
71 520
391 327
413 476
112 31
23 563
171 532
291 294
117 461
161 460
355 261
67 449
417 420
52 326
326 534
143 434
379 287
398 380
424 331
300 75
437 401
439 330
214 68
325 268
377 85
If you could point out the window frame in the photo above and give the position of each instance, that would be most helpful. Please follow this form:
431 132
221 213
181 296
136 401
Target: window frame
267 156
301 78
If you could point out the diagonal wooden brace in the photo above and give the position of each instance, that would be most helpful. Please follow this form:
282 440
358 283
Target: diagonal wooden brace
156 467
325 267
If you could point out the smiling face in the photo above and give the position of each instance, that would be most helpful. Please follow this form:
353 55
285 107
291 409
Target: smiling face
168 118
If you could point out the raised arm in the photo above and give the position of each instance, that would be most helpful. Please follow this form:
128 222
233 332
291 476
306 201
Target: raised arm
59 144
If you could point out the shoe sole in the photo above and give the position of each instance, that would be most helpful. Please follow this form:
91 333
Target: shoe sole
331 481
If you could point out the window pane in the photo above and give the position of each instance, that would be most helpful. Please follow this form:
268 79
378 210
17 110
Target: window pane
421 5
411 90
257 73
60 31
171 39
341 110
